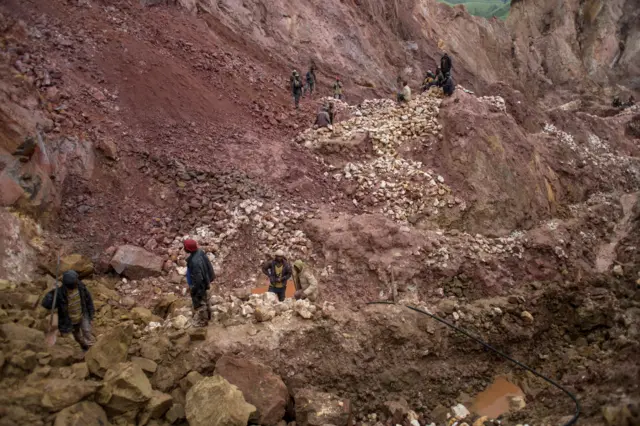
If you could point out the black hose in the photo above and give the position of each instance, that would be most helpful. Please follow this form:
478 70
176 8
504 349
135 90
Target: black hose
573 420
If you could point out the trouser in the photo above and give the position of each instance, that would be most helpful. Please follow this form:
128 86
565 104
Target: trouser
308 88
82 334
296 97
280 292
337 96
201 310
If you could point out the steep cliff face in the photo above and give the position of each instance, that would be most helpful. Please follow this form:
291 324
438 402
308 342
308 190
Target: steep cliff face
368 43
578 41
590 43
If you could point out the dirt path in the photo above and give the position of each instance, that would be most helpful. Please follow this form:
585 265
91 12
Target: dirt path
607 252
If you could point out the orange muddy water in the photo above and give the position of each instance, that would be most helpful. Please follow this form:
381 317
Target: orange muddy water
494 400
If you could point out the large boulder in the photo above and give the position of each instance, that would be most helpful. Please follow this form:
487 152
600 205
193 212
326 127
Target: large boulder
260 386
62 393
216 402
126 389
82 414
77 262
316 408
12 331
157 406
136 263
144 315
111 349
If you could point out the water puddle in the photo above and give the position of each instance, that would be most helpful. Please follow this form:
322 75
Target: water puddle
291 289
496 399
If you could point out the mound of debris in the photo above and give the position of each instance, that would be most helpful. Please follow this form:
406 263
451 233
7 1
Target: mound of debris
388 123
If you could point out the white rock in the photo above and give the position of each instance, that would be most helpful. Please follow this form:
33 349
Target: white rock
460 411
179 322
618 271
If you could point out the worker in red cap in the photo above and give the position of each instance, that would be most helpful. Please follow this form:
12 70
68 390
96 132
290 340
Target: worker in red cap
200 274
337 89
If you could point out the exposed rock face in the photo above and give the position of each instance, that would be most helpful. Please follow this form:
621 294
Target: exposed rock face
230 408
126 388
136 263
314 408
574 39
259 385
82 414
112 348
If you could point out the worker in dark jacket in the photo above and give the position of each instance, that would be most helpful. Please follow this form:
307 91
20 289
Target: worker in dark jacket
279 272
75 309
445 65
200 274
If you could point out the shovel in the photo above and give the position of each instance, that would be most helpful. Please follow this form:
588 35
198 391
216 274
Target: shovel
51 333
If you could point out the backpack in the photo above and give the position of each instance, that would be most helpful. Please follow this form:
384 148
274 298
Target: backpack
296 82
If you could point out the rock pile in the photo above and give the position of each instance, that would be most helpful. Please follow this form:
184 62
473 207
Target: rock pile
274 227
448 248
496 102
388 124
262 308
398 187
596 153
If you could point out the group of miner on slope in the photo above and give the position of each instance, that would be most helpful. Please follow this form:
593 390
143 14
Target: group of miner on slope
325 117
300 88
200 275
74 302
442 79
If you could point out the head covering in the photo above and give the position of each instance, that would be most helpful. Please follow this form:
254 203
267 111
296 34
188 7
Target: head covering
295 72
190 245
298 264
70 279
337 78
279 253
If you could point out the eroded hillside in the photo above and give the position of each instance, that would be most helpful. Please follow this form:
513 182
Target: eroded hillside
509 208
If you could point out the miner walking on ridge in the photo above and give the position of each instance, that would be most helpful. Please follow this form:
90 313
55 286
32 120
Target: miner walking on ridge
200 274
310 82
337 89
279 272
305 281
296 87
75 309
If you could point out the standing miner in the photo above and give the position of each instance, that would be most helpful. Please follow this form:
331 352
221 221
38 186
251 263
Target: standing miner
75 309
279 272
200 274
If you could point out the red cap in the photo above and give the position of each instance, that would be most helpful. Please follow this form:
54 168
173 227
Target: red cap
190 245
